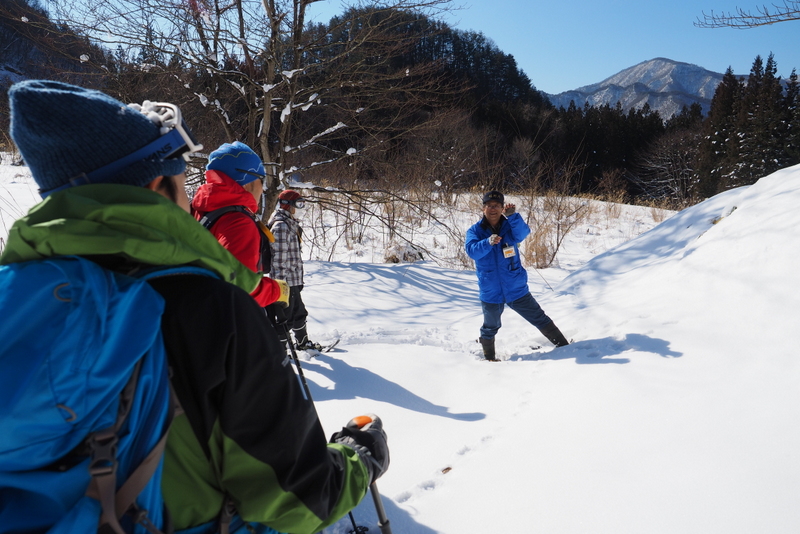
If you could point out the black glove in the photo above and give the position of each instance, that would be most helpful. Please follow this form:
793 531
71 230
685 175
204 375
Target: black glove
365 434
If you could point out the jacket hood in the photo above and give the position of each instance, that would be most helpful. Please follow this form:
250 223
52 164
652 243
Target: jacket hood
221 191
131 222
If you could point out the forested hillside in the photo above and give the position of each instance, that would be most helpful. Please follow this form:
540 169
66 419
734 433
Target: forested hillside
385 98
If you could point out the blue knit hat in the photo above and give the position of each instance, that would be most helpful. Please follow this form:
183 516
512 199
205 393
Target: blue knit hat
238 161
64 132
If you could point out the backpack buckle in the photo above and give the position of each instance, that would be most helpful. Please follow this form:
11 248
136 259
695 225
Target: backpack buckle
103 447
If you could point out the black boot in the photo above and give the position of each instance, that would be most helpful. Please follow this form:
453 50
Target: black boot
303 343
555 336
488 348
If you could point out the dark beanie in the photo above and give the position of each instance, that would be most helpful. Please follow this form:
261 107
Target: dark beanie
238 162
494 196
63 131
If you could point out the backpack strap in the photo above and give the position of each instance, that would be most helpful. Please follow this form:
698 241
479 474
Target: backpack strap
125 499
160 271
265 261
103 461
212 217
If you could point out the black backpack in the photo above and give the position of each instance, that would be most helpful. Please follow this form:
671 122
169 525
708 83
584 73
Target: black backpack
265 260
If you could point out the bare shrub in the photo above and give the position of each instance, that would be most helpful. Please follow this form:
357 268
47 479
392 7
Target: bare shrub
552 212
613 211
612 186
556 216
612 190
658 214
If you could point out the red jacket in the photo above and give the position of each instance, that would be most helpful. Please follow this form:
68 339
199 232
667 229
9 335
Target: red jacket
235 231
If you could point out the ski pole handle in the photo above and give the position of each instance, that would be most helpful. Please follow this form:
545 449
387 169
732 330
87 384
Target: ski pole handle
357 423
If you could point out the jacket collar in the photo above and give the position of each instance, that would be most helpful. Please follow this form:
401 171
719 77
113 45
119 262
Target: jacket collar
132 222
221 191
485 223
283 215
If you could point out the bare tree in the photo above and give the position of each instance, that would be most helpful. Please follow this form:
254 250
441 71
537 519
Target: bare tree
667 168
762 16
255 64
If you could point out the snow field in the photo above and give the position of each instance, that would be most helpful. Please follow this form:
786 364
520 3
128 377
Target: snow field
674 411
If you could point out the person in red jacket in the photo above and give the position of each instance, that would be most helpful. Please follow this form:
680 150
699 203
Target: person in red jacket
234 183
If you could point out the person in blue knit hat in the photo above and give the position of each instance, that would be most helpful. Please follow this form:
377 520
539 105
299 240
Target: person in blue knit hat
227 205
248 452
493 243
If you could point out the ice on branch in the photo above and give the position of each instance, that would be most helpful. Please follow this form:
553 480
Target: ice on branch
311 100
313 140
239 87
288 74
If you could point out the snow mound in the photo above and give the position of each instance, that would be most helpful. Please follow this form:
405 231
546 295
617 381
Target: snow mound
722 266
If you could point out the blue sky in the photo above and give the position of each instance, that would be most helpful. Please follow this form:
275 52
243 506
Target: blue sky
566 45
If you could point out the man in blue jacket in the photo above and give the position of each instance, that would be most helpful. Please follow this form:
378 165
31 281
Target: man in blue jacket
492 243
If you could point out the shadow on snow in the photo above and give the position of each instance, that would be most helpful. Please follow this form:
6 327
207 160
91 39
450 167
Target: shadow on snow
356 382
604 350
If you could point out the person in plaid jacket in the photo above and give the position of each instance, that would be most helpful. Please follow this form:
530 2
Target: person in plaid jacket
287 264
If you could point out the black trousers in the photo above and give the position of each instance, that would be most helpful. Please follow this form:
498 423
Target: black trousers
293 316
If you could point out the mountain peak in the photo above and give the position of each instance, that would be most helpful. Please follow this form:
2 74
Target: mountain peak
666 85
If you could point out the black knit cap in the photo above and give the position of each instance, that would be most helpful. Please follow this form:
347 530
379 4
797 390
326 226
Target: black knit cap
494 196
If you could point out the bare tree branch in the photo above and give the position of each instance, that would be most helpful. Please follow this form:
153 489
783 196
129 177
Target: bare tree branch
742 19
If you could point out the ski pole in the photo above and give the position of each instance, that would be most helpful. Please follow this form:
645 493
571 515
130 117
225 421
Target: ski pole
302 377
383 521
356 529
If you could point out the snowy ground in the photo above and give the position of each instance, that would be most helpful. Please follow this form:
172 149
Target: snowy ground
674 411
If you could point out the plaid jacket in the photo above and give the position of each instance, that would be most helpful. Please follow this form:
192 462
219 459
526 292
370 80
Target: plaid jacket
287 264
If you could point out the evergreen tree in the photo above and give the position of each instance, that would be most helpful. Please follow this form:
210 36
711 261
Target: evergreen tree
718 143
689 117
791 106
743 145
760 125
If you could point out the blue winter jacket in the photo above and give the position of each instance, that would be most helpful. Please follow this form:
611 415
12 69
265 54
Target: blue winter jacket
500 279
